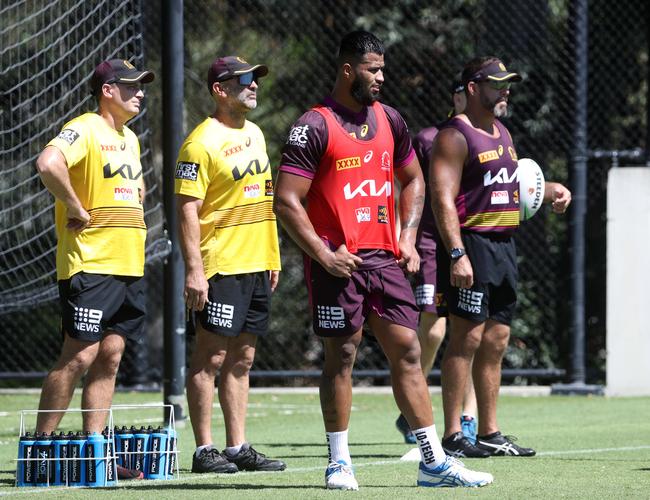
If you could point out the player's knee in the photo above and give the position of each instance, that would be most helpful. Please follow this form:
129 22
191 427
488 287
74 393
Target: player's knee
241 366
109 361
213 363
348 354
411 354
77 364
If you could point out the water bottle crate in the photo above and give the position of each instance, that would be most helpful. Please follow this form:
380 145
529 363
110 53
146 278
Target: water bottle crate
94 459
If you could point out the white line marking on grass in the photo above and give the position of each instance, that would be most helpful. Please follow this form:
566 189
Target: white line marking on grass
414 454
211 477
594 450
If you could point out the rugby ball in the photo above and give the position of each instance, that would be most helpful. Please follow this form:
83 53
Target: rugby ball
531 187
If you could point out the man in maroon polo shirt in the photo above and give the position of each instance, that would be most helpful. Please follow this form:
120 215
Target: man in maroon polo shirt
475 199
339 161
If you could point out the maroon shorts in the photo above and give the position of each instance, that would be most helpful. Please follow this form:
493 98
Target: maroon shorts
427 295
340 306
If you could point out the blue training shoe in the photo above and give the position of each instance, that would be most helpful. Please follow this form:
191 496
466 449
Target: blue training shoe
403 426
451 474
468 426
340 476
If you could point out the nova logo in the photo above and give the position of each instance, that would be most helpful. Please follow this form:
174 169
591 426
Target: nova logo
253 168
345 163
123 194
109 147
124 171
502 177
363 214
499 198
330 317
488 156
252 191
367 188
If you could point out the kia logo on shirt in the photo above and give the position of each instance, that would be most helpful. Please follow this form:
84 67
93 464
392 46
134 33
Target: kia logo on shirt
367 188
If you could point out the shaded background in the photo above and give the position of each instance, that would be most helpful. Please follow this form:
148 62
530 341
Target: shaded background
50 49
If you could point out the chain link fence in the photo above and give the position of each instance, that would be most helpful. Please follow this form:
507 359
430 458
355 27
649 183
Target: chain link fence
427 44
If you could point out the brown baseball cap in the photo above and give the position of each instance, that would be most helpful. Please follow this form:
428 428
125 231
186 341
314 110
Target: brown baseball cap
495 71
118 71
224 68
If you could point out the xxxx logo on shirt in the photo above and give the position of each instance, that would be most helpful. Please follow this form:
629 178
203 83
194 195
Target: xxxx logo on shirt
345 163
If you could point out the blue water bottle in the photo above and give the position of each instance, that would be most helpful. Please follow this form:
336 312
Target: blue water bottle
96 461
171 451
157 454
44 463
76 464
124 446
111 464
140 458
26 470
60 444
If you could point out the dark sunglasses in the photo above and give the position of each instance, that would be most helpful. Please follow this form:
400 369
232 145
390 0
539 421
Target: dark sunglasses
247 78
498 85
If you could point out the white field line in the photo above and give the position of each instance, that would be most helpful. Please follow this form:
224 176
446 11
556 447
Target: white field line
209 477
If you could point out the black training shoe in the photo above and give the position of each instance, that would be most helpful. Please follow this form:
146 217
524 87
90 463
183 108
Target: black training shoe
250 459
458 446
210 460
403 426
497 444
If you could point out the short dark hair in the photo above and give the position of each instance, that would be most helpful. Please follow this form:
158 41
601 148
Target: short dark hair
357 44
474 66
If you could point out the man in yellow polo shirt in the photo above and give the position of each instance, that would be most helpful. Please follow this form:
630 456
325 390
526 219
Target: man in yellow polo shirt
93 170
229 239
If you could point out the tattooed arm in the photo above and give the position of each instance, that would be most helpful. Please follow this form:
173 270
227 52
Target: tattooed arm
411 202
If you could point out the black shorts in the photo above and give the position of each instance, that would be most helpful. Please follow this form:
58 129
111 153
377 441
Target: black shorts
94 303
493 295
237 303
427 291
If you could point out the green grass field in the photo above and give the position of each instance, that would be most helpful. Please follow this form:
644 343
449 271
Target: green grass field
588 447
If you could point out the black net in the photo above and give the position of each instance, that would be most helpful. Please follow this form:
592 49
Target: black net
427 44
49 50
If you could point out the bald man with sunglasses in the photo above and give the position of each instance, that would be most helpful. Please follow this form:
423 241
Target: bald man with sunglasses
475 200
229 239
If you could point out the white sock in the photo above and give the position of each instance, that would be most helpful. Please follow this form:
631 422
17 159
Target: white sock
337 446
231 451
470 415
199 449
431 450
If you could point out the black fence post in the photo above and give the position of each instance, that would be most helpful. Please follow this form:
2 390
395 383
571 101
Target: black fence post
576 383
174 309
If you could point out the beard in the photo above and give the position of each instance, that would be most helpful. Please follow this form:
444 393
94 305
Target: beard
498 106
362 95
500 109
